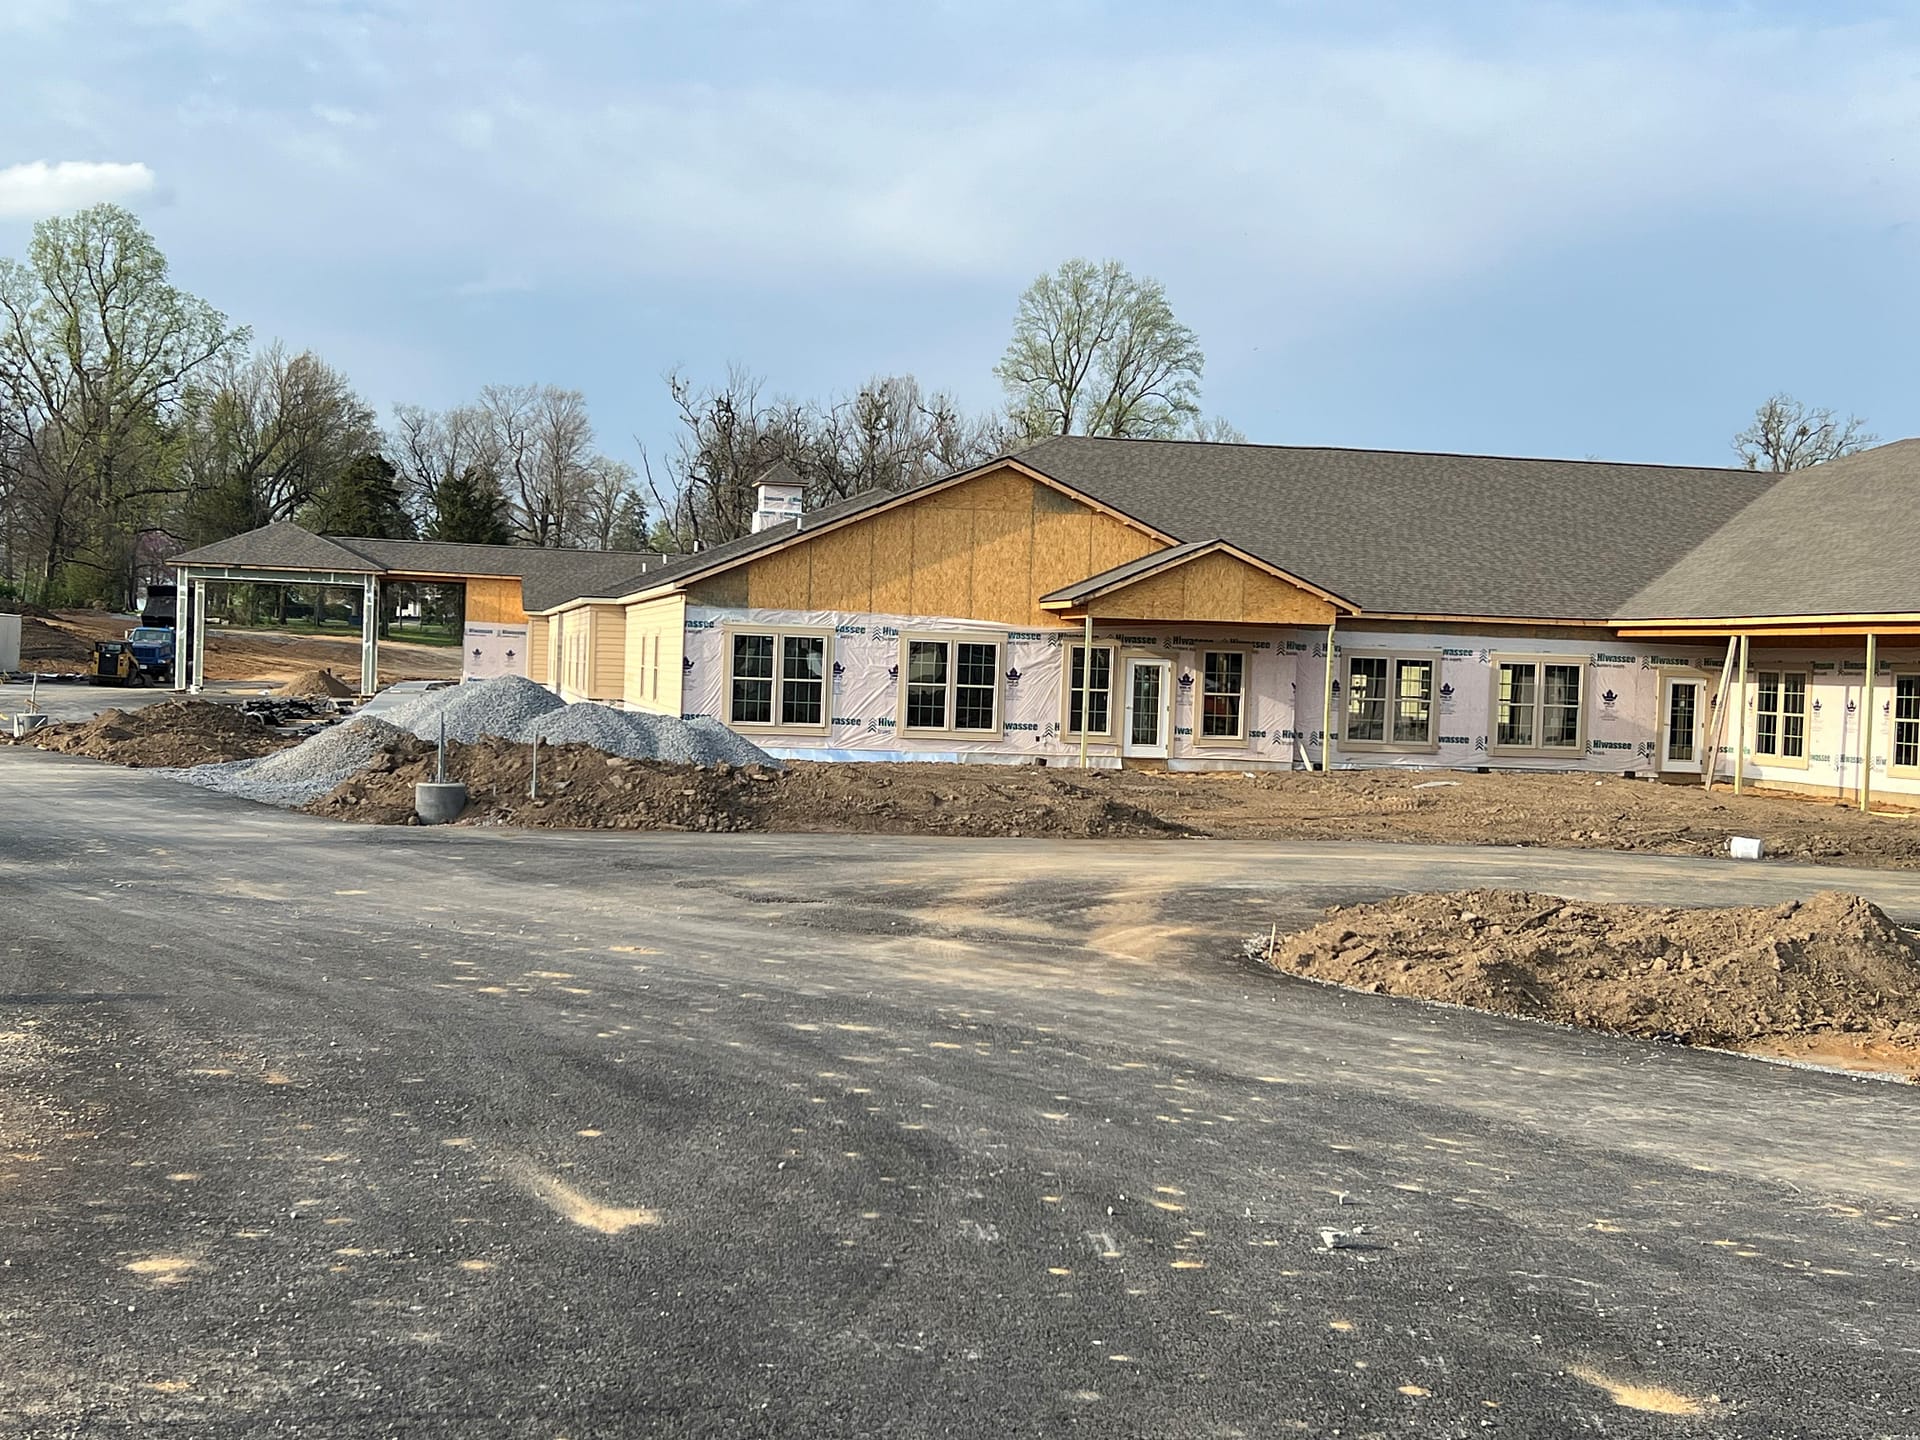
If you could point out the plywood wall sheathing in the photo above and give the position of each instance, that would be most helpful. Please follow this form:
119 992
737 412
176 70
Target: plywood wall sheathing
493 600
984 549
1217 588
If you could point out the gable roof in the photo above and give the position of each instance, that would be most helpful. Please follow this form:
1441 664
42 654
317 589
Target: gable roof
1836 539
1399 532
1157 562
281 545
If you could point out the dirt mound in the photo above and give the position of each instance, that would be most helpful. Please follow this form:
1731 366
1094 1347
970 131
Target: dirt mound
1739 977
315 685
27 608
173 732
581 787
52 648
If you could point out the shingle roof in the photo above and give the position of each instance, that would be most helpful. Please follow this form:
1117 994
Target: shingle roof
548 577
1411 533
279 546
1839 539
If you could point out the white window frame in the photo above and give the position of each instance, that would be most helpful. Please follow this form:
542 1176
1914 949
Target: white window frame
1072 691
952 639
780 634
1539 664
1895 722
1387 743
1781 714
1239 738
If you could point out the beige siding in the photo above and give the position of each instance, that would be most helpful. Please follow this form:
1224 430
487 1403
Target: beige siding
606 671
539 651
656 648
575 654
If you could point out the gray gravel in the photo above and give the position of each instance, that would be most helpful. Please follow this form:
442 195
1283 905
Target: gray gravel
504 707
510 708
639 735
292 777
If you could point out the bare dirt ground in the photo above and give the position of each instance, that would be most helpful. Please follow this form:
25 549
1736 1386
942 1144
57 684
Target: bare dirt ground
173 732
1560 811
65 645
1830 980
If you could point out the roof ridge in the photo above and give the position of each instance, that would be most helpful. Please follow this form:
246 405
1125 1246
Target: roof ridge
1375 450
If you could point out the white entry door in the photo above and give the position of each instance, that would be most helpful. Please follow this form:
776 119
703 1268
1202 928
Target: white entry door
1149 708
1683 724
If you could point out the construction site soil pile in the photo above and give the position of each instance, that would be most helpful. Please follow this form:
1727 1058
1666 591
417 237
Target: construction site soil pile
315 685
1753 978
586 788
52 649
27 608
173 732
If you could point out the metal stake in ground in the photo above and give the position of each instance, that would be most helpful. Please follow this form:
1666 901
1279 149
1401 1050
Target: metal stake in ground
533 785
440 761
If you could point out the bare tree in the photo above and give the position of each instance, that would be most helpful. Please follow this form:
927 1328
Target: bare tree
729 437
1786 435
1096 351
612 515
1218 430
432 447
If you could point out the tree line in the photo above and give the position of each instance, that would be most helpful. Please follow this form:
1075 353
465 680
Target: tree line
136 418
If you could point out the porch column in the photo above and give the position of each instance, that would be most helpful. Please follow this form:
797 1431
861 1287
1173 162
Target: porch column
1086 691
370 635
199 676
182 589
1866 726
1326 709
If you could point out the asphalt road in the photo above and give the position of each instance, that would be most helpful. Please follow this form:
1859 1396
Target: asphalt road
324 1131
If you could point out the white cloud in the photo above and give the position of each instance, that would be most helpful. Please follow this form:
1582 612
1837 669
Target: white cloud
36 189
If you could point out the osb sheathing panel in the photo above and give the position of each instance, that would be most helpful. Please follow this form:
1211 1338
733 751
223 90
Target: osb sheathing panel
843 570
494 602
1217 588
942 563
986 549
770 581
892 561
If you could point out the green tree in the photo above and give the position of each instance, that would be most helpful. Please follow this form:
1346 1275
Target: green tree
1096 351
98 350
365 499
466 506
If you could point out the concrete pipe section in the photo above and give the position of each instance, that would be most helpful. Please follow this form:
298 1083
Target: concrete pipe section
439 802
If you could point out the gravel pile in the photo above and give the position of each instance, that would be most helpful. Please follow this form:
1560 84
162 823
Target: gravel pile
505 707
637 735
309 770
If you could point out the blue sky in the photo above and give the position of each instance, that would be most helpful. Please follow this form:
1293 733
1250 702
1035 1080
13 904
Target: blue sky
1530 229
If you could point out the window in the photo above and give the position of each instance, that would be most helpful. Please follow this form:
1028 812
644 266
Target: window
1906 722
1780 715
1537 704
1092 688
1390 701
776 678
951 685
1223 695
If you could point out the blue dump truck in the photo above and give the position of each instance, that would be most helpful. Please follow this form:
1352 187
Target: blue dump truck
145 657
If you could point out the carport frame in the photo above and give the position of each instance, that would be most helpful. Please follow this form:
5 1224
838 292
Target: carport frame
190 663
